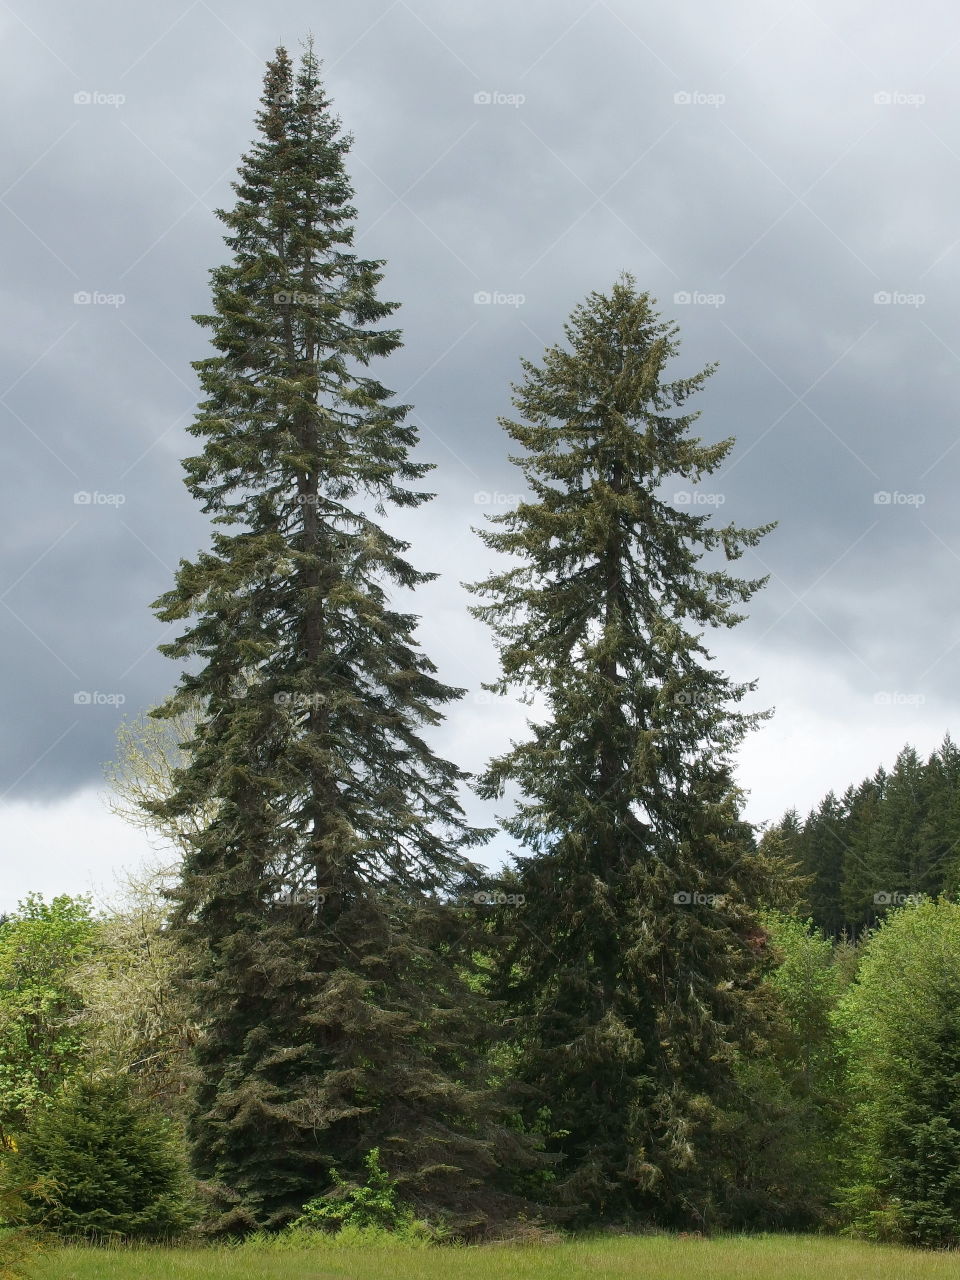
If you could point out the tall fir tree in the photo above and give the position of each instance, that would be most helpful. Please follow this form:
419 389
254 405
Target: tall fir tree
332 990
939 830
858 890
823 849
896 864
631 965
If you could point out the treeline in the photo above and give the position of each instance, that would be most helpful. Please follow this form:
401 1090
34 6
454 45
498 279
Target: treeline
893 837
848 1116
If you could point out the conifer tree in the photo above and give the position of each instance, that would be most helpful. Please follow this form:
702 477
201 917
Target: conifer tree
858 890
335 1015
896 865
939 837
823 853
631 964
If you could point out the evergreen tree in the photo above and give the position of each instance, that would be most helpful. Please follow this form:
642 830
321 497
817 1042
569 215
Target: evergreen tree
823 849
336 1018
939 835
858 888
631 966
897 865
780 846
99 1163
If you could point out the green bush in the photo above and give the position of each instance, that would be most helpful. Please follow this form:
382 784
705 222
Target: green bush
111 1166
17 1244
902 1025
374 1207
41 1032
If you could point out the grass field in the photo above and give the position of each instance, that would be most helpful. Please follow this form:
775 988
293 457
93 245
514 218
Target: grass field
639 1258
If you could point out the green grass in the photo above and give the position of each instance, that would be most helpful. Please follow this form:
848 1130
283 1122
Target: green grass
770 1257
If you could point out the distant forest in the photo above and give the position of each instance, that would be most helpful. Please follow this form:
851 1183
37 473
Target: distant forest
892 837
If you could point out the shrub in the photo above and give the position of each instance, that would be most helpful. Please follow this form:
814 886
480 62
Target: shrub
902 1024
373 1206
112 1167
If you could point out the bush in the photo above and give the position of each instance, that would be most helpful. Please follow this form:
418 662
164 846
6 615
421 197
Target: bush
374 1207
112 1167
902 1024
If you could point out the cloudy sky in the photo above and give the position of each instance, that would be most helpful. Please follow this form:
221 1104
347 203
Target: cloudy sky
783 177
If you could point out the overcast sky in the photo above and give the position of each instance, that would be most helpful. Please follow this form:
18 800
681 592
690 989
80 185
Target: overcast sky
783 177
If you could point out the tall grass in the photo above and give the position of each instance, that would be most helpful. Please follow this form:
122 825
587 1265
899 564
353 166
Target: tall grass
362 1256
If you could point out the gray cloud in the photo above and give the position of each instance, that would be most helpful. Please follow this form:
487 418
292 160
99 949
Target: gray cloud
766 170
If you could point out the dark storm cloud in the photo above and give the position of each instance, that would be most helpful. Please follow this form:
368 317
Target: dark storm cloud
783 177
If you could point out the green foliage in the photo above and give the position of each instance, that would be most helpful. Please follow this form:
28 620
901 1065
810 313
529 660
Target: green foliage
375 1203
797 1087
136 1015
414 1234
809 982
98 1164
894 836
323 836
901 1021
41 1036
18 1245
631 965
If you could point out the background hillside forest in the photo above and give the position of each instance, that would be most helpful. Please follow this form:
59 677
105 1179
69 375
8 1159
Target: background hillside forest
321 1012
889 838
